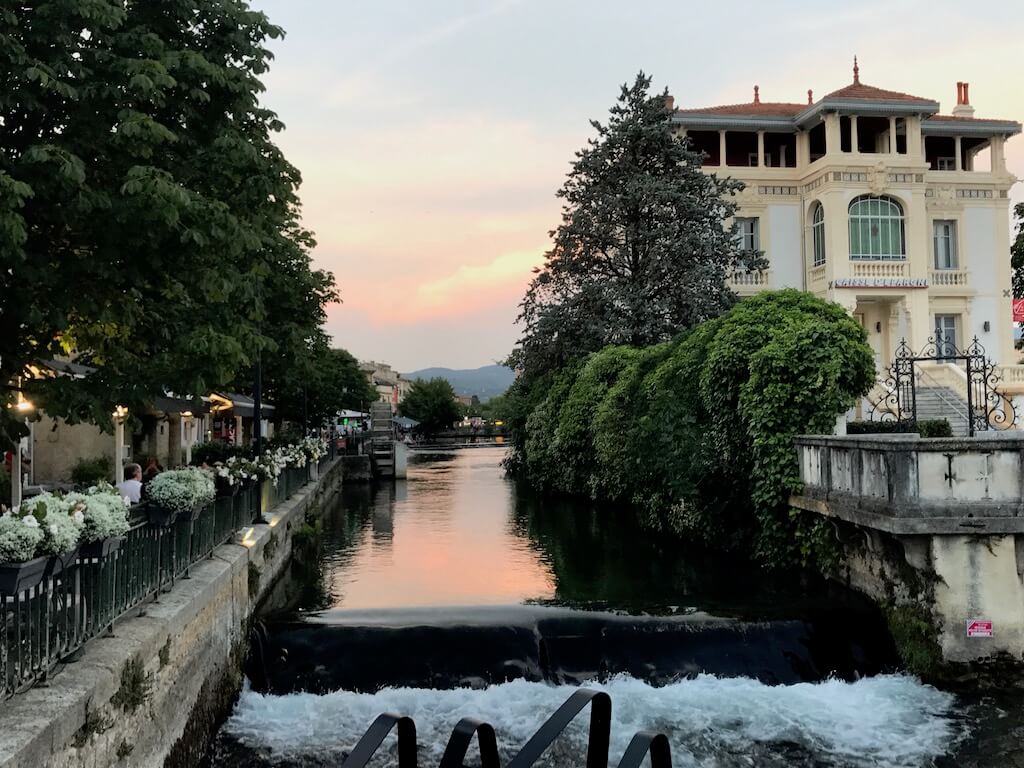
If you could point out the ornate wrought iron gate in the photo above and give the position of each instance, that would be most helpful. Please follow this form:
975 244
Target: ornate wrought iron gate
987 408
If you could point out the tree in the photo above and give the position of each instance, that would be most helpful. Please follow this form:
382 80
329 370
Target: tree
148 223
433 404
643 250
1017 253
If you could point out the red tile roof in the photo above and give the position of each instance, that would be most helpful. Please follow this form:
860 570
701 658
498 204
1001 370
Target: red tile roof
753 109
857 90
969 119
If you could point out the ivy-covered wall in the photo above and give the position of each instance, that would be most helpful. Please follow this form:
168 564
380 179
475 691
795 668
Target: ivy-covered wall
695 436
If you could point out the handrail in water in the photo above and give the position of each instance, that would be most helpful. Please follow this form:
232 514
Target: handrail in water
598 739
374 737
462 737
644 743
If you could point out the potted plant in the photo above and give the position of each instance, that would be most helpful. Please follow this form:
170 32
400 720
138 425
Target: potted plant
105 520
179 493
20 567
61 527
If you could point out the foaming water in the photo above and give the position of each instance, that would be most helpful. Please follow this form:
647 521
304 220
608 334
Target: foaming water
712 722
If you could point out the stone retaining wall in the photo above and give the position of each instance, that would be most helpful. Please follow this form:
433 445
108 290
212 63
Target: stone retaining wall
152 693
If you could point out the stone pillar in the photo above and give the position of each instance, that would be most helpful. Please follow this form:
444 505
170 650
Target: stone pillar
914 142
238 430
893 150
803 149
853 134
721 149
174 440
760 149
833 143
118 450
998 153
958 163
16 475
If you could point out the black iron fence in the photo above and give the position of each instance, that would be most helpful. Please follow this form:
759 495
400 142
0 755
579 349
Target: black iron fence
48 624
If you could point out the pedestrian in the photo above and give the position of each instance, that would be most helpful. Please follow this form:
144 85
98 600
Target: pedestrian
131 487
153 469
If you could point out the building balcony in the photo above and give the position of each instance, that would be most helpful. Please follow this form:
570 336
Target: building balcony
893 269
816 278
948 278
746 282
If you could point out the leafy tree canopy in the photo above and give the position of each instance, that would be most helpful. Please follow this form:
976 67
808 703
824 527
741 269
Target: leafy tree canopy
148 223
696 435
643 250
433 404
1017 253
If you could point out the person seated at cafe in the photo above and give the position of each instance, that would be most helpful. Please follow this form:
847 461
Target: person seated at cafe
131 487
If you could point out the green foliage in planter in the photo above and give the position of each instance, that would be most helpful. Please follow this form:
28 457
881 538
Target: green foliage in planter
697 434
217 451
923 427
92 471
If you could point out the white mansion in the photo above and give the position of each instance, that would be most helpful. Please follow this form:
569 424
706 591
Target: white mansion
874 200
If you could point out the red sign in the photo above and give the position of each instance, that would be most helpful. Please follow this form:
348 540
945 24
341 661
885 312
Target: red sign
1018 310
979 628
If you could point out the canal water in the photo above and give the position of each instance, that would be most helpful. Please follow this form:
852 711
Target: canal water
455 593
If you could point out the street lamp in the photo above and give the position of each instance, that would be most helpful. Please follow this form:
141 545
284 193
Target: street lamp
120 415
23 407
186 417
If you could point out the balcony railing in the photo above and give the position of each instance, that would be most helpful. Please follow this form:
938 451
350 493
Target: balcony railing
42 626
948 278
816 276
887 269
750 281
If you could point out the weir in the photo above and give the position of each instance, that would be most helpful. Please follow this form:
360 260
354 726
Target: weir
936 524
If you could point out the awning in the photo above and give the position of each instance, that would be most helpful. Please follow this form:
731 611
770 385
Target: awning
239 405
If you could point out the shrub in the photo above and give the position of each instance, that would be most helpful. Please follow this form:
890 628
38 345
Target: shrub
104 513
214 452
924 427
20 537
181 490
61 525
698 434
91 471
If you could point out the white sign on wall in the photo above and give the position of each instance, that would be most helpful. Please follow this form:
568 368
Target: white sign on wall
880 282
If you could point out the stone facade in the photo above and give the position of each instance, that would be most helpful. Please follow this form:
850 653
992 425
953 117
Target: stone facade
938 523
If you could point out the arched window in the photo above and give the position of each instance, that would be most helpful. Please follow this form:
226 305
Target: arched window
876 229
818 234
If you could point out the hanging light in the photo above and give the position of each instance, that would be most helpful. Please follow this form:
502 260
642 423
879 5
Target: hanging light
120 412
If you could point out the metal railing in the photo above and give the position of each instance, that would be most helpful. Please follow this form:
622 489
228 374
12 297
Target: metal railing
48 624
642 745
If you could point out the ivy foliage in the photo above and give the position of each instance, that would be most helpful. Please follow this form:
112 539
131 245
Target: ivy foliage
697 434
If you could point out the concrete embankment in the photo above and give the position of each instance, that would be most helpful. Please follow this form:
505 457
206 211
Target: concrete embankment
151 693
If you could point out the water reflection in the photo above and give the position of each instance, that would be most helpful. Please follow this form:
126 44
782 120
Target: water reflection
458 532
439 538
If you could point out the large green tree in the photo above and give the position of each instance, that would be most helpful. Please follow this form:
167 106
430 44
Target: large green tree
1017 253
643 250
148 223
432 403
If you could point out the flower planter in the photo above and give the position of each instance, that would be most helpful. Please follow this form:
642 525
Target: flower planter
17 577
95 550
60 563
196 512
161 517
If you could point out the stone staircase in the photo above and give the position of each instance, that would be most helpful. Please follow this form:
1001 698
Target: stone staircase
938 402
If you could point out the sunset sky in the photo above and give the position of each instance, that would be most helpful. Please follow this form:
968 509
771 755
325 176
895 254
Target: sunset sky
432 136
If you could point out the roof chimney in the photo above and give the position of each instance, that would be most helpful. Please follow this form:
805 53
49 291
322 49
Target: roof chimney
810 96
963 106
757 95
670 102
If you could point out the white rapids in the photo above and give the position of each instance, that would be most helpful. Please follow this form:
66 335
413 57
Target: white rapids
889 720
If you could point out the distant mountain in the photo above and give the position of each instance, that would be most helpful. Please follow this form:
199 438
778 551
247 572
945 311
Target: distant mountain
486 382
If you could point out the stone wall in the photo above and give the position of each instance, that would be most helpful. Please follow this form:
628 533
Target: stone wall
152 692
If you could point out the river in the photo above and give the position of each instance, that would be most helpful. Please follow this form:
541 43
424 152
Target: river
455 593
